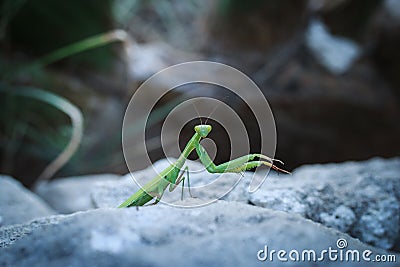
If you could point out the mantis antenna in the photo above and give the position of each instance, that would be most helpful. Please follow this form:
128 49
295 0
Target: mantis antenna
198 114
215 108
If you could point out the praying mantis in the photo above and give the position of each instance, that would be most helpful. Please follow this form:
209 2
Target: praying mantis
172 176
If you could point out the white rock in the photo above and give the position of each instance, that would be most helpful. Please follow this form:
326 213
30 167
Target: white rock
335 53
71 194
221 234
359 198
18 204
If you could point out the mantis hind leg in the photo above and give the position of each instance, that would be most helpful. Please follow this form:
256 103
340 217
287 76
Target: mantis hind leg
181 178
158 192
156 196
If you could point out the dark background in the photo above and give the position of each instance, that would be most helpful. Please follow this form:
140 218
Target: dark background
321 115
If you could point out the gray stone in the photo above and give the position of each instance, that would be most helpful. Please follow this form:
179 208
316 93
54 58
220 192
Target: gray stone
206 187
72 194
342 218
379 223
342 196
109 194
336 54
289 200
221 234
19 205
359 198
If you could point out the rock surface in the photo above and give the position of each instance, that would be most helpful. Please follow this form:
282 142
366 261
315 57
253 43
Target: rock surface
358 198
221 234
108 194
311 209
72 194
18 205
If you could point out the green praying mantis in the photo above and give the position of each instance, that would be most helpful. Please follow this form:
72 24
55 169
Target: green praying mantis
172 176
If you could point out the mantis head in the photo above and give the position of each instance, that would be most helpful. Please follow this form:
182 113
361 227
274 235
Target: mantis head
203 130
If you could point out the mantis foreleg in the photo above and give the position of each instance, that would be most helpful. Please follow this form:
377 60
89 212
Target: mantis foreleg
240 164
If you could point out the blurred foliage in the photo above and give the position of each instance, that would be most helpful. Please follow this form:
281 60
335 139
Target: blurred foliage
27 124
40 26
32 131
32 134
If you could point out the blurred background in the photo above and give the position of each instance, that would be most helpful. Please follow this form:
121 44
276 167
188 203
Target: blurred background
329 69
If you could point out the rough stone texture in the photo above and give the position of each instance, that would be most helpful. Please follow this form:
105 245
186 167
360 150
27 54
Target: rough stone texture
19 205
359 198
109 194
72 194
221 234
342 218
